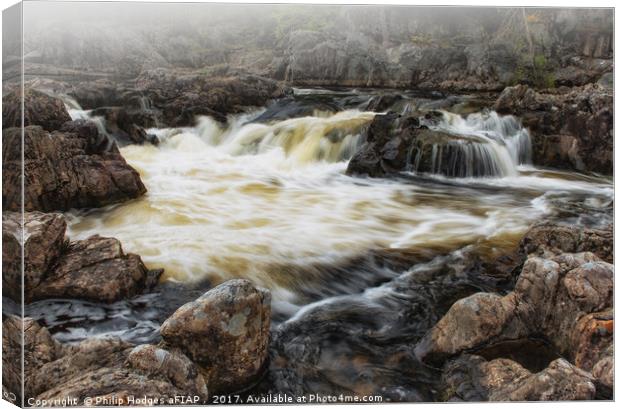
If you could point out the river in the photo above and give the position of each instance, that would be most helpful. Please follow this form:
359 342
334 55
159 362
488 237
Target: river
269 200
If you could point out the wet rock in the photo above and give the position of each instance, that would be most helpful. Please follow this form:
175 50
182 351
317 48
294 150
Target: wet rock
443 153
386 147
397 143
550 297
472 378
127 125
44 242
173 365
63 171
289 107
548 239
361 342
87 130
96 269
39 109
381 103
571 128
226 332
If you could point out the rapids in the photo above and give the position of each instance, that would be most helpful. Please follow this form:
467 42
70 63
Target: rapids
270 202
359 268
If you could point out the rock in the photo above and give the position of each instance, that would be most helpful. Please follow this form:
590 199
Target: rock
571 129
75 361
99 93
173 365
39 109
591 338
452 155
383 102
606 81
87 130
39 348
386 146
560 381
288 107
182 97
603 372
342 46
96 269
470 323
548 239
93 269
108 371
63 171
44 242
397 143
11 256
549 298
226 332
472 378
97 370
127 125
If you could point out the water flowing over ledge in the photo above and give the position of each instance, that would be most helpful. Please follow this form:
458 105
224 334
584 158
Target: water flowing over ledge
270 202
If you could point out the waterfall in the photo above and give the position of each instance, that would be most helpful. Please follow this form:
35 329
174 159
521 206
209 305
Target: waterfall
480 145
332 138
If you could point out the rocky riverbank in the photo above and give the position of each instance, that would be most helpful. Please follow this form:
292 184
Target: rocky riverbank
451 319
213 344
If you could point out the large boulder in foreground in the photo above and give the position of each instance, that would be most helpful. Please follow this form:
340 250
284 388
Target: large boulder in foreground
549 299
471 378
571 128
39 109
94 269
226 332
64 170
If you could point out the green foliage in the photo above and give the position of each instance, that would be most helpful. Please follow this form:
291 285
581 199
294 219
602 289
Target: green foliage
537 72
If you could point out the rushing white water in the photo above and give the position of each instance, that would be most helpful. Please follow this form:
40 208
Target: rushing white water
271 201
482 144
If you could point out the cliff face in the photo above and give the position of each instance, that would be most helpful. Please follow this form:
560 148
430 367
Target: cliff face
449 48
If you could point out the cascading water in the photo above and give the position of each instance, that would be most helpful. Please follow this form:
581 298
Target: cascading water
359 268
301 140
271 201
77 112
482 144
